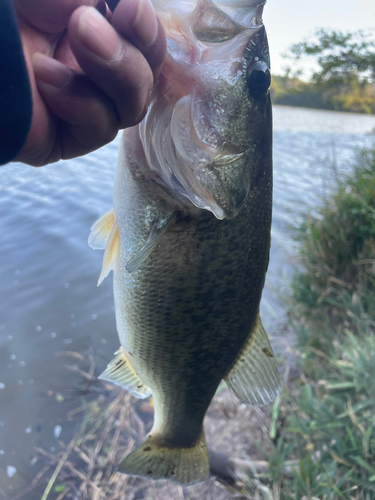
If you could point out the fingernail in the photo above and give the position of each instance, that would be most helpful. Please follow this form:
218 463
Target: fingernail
98 35
145 23
50 71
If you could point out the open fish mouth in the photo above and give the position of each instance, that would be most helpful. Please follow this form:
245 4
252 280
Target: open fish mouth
189 142
183 163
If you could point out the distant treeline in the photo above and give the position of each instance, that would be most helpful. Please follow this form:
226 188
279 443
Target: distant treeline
358 98
344 78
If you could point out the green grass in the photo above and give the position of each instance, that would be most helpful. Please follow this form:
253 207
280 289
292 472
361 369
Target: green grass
324 421
338 248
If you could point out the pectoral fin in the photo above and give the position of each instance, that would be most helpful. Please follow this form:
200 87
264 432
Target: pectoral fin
101 230
111 254
254 378
104 235
120 372
158 230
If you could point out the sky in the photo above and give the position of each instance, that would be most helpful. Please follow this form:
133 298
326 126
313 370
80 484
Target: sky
292 21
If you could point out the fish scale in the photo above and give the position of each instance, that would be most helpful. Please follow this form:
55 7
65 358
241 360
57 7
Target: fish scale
187 279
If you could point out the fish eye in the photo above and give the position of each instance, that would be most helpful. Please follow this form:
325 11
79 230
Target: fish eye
258 79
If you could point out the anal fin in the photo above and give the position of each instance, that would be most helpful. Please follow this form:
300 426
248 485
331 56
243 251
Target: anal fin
254 378
120 372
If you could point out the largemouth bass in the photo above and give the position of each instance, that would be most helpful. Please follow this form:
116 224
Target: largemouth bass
189 235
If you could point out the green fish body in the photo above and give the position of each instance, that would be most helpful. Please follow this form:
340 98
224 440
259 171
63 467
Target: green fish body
189 235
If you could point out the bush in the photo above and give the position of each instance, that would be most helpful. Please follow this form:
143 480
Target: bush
338 248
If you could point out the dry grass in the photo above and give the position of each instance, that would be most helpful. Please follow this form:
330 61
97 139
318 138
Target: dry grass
85 468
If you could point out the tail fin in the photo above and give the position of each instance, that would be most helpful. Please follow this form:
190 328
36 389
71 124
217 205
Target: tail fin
157 460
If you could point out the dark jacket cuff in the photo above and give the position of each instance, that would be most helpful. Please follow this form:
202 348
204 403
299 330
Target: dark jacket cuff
15 93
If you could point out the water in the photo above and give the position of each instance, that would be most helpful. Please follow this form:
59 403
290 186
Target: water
49 299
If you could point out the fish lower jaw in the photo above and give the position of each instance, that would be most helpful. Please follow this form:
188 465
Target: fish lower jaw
187 185
183 160
175 155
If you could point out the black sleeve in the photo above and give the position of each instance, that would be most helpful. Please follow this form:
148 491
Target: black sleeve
15 94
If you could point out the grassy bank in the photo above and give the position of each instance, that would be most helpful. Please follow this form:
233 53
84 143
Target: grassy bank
324 420
359 98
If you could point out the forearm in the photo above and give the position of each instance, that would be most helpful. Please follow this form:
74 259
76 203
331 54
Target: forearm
15 95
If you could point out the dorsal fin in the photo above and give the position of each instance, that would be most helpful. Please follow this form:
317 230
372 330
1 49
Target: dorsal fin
254 378
120 372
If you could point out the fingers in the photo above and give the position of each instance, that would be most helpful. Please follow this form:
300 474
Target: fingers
82 117
99 81
113 64
49 16
110 58
137 22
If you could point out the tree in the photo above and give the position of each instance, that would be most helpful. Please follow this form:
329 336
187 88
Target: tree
344 59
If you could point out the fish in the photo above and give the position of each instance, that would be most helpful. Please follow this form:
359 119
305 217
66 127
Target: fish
188 236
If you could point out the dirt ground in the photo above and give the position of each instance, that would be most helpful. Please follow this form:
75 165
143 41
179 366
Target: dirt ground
231 432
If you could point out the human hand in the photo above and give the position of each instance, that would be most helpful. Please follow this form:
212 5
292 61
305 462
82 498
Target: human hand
89 76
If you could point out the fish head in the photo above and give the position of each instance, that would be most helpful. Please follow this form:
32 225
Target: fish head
204 129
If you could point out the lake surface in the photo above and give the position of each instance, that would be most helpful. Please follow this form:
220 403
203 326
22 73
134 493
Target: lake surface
49 299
